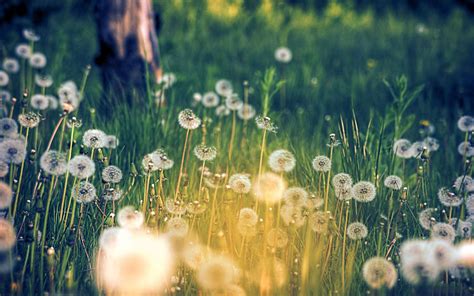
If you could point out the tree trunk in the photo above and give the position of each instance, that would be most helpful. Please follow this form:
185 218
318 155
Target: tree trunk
128 47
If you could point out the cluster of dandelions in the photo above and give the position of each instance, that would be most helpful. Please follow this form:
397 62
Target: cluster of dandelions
466 125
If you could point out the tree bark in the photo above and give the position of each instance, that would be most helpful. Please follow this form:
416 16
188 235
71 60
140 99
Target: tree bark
128 46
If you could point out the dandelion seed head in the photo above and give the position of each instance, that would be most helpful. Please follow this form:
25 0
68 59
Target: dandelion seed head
357 230
292 216
81 167
4 78
402 148
466 149
426 218
246 230
283 55
342 180
233 102
112 194
205 153
464 184
111 142
222 111
8 127
23 51
319 221
224 87
37 60
282 161
470 204
378 272
112 174
196 207
295 196
39 102
248 216
265 123
167 79
393 182
30 35
431 144
314 203
417 149
443 231
7 235
94 138
269 187
466 123
43 81
448 198
175 207
240 183
29 120
321 163
364 191
53 163
11 65
5 96
464 229
13 150
129 218
84 192
210 100
216 272
177 226
6 195
344 193
4 169
277 238
188 120
193 255
246 112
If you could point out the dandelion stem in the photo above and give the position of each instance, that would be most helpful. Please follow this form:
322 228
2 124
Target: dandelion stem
181 166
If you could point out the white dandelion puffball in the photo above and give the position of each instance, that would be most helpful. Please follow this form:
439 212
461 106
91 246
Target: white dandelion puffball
4 78
266 123
11 65
177 226
282 161
5 96
431 144
443 231
94 138
342 180
112 194
379 272
54 162
224 87
321 163
295 196
277 238
30 35
168 79
357 230
81 167
205 153
402 148
13 151
216 272
37 60
112 174
7 235
175 207
111 142
29 120
222 111
364 191
464 184
344 193
210 100
233 102
43 81
269 187
393 182
6 195
84 192
8 127
292 215
426 218
39 102
319 221
188 120
23 51
466 149
448 198
136 263
283 55
466 123
246 112
248 216
240 183
4 169
129 218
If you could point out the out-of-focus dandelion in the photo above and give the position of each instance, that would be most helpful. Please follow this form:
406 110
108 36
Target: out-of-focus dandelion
246 112
111 142
39 102
464 229
94 138
54 163
282 161
7 235
217 272
175 207
193 255
292 215
426 218
4 169
23 51
364 191
11 65
8 127
277 238
295 196
357 230
269 188
224 87
319 221
210 100
177 226
465 254
443 231
43 80
13 151
4 78
30 35
466 123
248 216
5 96
129 218
466 149
81 167
402 148
222 111
112 174
84 192
283 55
233 102
431 144
37 60
393 182
321 163
378 272
167 80
6 195
240 183
112 194
464 184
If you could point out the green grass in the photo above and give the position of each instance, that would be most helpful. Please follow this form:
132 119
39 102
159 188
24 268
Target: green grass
350 53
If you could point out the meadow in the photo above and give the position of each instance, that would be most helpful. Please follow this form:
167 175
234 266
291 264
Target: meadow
285 152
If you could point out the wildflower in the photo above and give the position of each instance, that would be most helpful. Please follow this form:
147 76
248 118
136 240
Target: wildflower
344 193
210 100
205 153
443 231
30 35
357 230
5 96
29 120
52 102
177 226
283 55
23 51
233 102
321 164
175 207
431 144
464 229
4 78
426 218
295 196
193 255
224 87
246 230
111 142
112 174
8 127
43 81
470 204
197 97
466 123
53 163
342 180
160 160
81 167
292 215
240 183
364 191
448 198
11 65
196 207
464 184
13 150
4 169
37 60
188 120
282 161
265 122
6 195
379 272
248 216
129 218
168 79
69 96
402 148
222 111
466 149
277 238
112 194
393 182
314 203
269 188
94 138
137 264
39 102
246 112
7 235
417 149
216 273
84 192
319 221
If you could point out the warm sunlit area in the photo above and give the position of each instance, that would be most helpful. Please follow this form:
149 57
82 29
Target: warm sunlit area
236 147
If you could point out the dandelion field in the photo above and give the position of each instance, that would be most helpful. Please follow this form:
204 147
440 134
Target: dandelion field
284 152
